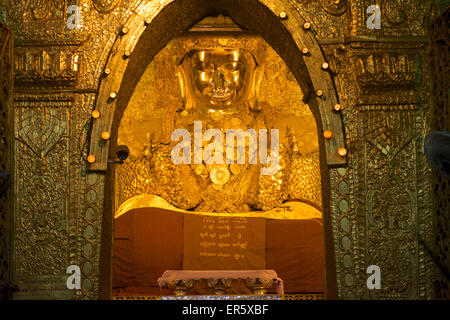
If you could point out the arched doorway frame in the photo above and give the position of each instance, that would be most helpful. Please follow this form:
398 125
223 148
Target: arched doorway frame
151 27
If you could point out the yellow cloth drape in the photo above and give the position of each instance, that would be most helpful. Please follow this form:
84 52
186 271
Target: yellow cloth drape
289 211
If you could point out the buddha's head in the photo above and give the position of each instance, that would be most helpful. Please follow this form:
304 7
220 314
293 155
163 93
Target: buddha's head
219 79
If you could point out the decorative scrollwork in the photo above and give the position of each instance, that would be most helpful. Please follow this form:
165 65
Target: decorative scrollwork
394 12
43 9
41 130
41 142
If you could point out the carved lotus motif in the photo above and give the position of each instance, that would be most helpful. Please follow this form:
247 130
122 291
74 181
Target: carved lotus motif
220 285
394 12
259 286
40 133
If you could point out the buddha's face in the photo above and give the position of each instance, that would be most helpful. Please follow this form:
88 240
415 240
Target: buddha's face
218 79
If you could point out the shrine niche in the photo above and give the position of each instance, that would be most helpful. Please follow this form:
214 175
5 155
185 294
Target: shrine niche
353 105
229 80
159 106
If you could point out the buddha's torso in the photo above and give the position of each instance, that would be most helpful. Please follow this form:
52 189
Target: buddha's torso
223 187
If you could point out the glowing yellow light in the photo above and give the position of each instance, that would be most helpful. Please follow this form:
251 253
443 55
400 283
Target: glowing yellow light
106 135
342 152
305 50
203 76
95 114
307 25
327 134
202 56
75 62
91 158
113 95
325 66
236 55
283 15
319 93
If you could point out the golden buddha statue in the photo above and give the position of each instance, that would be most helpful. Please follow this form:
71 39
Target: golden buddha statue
220 83
220 88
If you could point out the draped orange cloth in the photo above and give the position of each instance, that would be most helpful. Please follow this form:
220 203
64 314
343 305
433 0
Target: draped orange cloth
149 241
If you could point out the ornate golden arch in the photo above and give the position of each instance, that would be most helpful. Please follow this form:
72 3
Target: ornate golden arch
151 28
